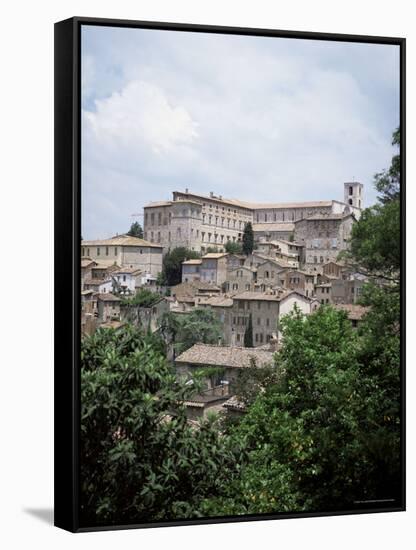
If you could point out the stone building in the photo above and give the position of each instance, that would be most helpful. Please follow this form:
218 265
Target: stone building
125 251
266 310
191 270
108 307
301 281
214 268
324 237
199 222
323 293
240 279
348 289
222 363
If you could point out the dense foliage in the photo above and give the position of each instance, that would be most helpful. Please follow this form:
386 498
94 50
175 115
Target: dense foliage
322 425
172 265
233 247
140 459
143 298
200 325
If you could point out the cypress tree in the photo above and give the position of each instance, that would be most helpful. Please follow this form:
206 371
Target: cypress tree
248 334
248 239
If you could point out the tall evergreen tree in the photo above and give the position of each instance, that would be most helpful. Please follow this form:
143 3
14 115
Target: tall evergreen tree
135 230
248 239
248 334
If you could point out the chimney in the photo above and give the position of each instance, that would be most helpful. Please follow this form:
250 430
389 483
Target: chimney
211 194
186 190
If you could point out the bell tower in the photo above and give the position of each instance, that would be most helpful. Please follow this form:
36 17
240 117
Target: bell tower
353 194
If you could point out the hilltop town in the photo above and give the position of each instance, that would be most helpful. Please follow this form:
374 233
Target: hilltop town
293 261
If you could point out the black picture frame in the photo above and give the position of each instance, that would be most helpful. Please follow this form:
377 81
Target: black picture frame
67 261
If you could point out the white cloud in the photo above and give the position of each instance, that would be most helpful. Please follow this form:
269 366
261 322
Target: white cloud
257 119
141 115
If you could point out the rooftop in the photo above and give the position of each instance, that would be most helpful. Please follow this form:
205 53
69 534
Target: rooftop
224 356
354 312
255 205
108 297
214 255
121 240
192 262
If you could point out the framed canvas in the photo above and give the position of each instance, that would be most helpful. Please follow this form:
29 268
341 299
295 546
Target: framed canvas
229 280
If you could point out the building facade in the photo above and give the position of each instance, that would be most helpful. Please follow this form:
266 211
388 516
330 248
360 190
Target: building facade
200 222
125 251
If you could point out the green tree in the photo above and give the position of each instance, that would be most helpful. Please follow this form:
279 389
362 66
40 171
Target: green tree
182 331
140 459
317 437
248 333
172 264
135 230
387 182
248 239
143 298
233 247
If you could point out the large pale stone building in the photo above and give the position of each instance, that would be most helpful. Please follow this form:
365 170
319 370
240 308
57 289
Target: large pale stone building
125 251
198 222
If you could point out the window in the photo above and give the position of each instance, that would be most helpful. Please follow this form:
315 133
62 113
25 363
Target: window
267 322
88 251
98 251
106 250
258 305
350 201
159 218
350 191
83 251
115 251
238 337
124 278
258 321
152 218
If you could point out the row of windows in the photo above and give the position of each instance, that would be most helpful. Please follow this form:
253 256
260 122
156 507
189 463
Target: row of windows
317 243
215 238
86 251
258 337
231 224
314 259
248 304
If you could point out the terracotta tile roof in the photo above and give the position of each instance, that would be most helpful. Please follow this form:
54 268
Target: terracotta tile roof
214 301
108 297
192 262
214 255
121 240
224 356
256 205
131 270
85 262
355 312
191 288
158 203
234 404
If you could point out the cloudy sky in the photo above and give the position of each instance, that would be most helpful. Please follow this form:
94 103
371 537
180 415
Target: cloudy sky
255 118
